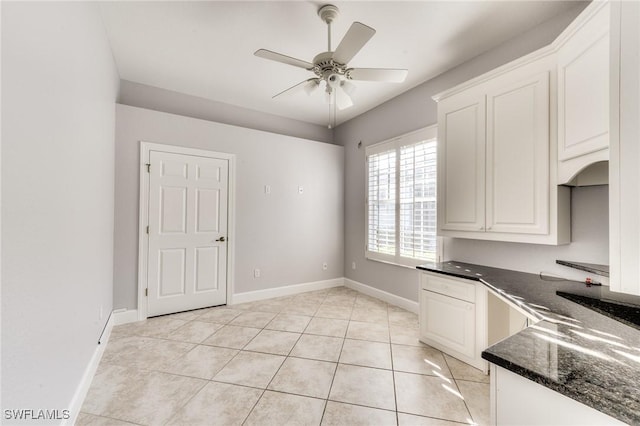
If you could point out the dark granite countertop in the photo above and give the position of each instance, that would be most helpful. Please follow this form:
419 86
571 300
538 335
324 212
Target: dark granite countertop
580 353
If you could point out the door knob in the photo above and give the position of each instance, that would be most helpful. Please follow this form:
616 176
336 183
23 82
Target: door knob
220 239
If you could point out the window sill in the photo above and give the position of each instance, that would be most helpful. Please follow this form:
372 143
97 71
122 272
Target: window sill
402 265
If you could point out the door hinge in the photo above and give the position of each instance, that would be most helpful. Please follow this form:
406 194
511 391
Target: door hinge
148 167
147 229
146 292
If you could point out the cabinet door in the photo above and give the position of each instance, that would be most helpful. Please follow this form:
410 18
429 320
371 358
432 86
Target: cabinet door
518 155
583 88
461 162
624 173
539 406
448 321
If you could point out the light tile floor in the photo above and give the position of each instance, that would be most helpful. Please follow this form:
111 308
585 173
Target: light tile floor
330 357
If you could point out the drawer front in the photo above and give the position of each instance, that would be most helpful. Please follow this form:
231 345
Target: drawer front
449 287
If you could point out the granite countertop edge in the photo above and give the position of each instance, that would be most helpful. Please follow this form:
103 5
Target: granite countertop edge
509 357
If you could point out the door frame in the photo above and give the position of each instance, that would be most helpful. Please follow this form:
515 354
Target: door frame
143 216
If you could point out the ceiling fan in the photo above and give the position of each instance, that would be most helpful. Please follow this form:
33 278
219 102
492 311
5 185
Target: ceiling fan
331 68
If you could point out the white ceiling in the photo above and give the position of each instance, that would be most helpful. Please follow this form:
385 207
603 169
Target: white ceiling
205 49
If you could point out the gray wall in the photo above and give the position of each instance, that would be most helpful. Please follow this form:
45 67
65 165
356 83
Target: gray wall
143 96
589 241
59 85
413 110
286 235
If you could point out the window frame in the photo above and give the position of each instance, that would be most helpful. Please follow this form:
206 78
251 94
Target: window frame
428 133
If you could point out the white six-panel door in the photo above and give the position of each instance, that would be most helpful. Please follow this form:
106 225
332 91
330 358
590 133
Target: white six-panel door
187 255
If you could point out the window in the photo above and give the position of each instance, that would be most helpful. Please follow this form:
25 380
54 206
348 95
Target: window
401 199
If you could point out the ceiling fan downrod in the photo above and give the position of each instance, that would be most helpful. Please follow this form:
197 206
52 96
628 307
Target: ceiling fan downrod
328 13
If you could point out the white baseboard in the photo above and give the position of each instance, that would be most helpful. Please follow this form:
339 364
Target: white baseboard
124 316
401 302
85 383
252 296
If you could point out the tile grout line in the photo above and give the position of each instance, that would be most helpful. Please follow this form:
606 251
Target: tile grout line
458 388
207 381
326 401
393 371
335 372
265 389
279 368
113 418
177 410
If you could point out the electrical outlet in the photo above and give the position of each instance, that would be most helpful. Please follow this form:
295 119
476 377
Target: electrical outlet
267 189
300 190
353 265
325 266
256 273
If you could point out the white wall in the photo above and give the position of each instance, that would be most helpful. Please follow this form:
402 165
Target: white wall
143 96
413 110
59 85
286 235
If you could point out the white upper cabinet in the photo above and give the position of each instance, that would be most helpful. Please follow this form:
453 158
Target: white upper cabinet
583 92
624 166
546 120
517 175
495 156
461 162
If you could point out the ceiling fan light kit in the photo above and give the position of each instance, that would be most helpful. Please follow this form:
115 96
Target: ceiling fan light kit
331 68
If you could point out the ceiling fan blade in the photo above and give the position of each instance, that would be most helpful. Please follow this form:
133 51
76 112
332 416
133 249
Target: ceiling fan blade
307 85
357 36
278 57
343 101
377 74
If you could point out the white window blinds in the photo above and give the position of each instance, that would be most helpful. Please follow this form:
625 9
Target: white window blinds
401 199
382 202
418 201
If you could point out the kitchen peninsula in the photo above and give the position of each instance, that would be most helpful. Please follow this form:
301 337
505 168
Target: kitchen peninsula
583 355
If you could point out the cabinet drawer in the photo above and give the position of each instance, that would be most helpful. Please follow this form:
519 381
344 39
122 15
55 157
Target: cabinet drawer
449 287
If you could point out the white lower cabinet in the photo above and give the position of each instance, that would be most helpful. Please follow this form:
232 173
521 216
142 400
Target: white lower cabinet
516 400
449 321
453 317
